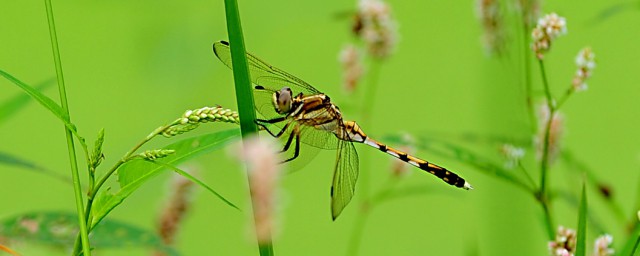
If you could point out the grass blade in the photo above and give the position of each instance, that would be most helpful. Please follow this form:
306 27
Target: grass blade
197 181
582 224
244 94
631 247
45 101
8 159
13 105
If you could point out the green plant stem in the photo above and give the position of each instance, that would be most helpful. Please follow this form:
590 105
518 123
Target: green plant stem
542 194
94 189
544 164
244 94
564 98
367 102
77 187
527 75
365 209
526 174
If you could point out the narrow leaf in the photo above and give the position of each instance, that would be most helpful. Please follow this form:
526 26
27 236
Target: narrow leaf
8 159
41 98
582 224
631 247
60 229
195 180
13 105
135 173
46 102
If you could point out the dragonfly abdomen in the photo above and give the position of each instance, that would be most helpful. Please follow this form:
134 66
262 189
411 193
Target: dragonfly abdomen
440 172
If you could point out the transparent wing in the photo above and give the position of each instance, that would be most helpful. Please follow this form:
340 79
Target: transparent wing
345 176
264 74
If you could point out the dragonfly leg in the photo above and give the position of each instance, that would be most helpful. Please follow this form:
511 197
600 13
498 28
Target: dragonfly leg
259 122
296 150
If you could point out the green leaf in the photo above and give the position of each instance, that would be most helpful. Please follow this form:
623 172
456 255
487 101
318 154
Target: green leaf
46 102
582 224
8 159
195 180
13 105
60 229
595 223
135 173
242 81
631 247
41 98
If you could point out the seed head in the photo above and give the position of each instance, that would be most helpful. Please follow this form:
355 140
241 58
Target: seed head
556 131
512 154
601 246
548 29
586 63
191 119
564 244
530 11
156 153
376 28
352 69
175 209
490 14
261 159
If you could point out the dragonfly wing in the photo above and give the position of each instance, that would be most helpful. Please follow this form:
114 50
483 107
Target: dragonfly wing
345 176
264 74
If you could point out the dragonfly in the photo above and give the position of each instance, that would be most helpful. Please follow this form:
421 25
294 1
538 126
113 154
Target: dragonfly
295 111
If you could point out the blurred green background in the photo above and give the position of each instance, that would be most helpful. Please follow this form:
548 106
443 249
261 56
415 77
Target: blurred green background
131 66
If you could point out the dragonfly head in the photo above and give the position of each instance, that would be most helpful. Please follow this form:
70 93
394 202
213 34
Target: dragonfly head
282 100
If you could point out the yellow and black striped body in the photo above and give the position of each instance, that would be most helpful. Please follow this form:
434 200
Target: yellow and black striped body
357 135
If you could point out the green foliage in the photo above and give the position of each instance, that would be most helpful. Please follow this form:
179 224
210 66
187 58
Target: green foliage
13 105
59 229
582 223
134 174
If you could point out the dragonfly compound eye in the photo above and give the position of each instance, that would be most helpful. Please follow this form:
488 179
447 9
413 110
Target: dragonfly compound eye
282 100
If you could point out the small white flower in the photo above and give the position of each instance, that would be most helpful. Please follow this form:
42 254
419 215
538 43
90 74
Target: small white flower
548 29
586 63
601 246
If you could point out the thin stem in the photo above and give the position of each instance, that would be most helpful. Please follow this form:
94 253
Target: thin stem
367 103
94 189
529 178
544 202
544 163
527 76
77 187
365 209
564 98
358 230
370 91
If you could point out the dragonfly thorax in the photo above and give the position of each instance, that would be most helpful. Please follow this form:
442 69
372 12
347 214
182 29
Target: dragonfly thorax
283 100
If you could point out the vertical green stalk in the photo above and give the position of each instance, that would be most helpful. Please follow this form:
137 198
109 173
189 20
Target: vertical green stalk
367 102
544 163
527 76
70 145
244 94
